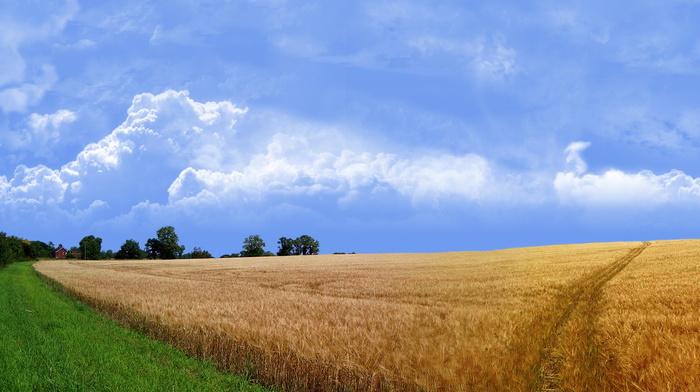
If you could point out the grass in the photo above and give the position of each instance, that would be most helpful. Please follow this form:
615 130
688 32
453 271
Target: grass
49 342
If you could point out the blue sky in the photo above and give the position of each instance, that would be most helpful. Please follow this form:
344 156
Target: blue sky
373 126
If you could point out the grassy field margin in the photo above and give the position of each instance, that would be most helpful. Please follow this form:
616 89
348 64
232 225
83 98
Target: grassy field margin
49 342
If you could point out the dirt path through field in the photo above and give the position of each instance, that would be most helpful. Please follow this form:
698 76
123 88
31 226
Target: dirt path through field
576 322
559 346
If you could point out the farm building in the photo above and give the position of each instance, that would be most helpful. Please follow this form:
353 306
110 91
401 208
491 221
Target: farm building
62 253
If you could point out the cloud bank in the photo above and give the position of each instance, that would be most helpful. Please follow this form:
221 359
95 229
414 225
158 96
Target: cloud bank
174 156
616 188
172 150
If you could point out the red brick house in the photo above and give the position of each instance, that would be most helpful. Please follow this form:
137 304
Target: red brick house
62 253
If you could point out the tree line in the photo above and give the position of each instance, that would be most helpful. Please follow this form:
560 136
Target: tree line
164 246
254 246
14 249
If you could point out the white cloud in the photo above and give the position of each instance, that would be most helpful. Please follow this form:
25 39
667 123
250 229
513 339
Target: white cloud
39 123
162 135
493 60
37 185
20 89
81 44
423 180
623 190
573 156
172 151
169 125
18 99
41 131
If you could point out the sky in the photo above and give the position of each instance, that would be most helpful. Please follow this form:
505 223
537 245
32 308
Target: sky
372 126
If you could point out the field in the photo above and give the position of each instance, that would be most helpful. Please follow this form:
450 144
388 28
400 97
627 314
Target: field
49 342
609 316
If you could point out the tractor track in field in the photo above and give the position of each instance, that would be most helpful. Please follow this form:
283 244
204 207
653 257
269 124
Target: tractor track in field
580 304
577 307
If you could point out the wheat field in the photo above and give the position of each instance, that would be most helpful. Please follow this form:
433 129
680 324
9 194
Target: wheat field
606 316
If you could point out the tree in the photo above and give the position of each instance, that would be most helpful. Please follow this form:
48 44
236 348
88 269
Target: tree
13 249
40 250
286 246
306 245
90 247
253 246
198 253
130 250
153 248
169 247
166 246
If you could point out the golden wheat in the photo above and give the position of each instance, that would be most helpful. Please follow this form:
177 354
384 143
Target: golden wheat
651 322
556 317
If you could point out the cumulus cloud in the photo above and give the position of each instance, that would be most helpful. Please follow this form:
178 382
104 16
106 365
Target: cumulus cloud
174 151
616 188
37 185
40 130
162 135
423 180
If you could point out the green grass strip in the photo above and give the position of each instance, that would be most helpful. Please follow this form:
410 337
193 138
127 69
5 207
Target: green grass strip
49 342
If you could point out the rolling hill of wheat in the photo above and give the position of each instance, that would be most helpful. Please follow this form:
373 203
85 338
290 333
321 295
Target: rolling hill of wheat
606 316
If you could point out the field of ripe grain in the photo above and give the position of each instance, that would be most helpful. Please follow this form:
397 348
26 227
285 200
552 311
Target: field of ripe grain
575 317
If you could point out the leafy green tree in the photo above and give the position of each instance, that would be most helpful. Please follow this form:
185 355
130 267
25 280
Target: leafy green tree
40 250
166 246
90 247
169 247
130 250
253 246
13 249
306 245
153 248
286 246
198 253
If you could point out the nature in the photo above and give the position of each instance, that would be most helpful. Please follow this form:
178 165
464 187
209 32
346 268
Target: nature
366 195
605 316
